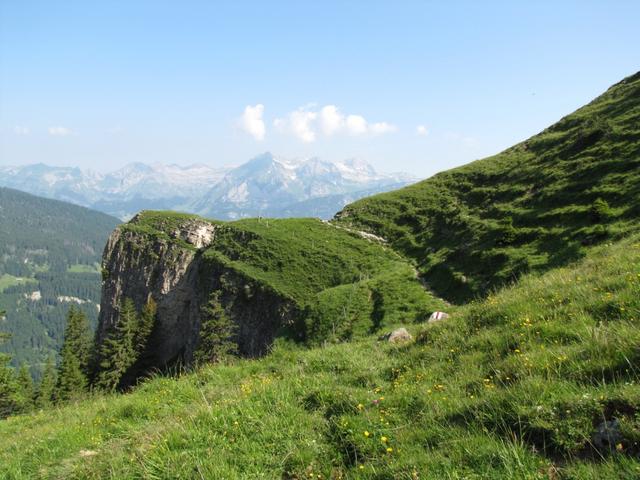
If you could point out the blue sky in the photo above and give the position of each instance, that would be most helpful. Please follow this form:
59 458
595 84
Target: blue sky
413 86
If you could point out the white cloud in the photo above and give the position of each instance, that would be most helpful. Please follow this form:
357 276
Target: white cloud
307 122
300 123
331 119
356 125
422 130
60 131
252 123
20 130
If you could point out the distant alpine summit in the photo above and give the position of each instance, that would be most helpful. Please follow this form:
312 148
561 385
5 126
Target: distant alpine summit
265 185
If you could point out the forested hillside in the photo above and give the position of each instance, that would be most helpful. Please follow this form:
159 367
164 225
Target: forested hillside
537 205
49 259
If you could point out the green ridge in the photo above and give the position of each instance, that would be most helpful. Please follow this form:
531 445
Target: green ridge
343 284
530 208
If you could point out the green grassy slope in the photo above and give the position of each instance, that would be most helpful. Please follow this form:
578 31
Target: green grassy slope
531 207
50 247
512 386
344 285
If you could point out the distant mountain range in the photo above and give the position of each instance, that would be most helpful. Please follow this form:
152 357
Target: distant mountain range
263 186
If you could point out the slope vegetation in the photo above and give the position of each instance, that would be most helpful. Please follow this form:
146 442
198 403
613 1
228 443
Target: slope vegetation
49 257
537 205
514 386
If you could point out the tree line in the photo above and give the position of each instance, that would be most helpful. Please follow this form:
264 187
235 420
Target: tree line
85 367
82 368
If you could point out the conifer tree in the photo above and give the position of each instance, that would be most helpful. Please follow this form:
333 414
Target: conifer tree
25 388
145 327
8 388
118 351
217 333
74 357
47 386
8 384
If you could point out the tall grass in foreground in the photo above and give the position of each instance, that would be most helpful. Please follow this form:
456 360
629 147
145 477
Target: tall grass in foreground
510 387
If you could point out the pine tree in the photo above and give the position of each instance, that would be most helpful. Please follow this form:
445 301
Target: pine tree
8 384
46 389
8 388
72 379
145 327
25 388
217 332
118 351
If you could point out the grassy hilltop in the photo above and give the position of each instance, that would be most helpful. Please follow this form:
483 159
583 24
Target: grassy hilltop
537 205
343 285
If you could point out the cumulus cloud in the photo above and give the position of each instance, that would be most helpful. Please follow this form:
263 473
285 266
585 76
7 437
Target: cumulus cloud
331 120
20 130
60 131
307 122
299 123
422 130
252 122
356 125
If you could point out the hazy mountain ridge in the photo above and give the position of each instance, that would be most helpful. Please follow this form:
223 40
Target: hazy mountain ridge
265 185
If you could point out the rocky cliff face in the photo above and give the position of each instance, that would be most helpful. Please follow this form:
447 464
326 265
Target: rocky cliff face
171 268
301 279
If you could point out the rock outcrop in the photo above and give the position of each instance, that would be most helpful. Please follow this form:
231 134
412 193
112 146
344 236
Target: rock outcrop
172 269
399 335
300 279
437 317
607 435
